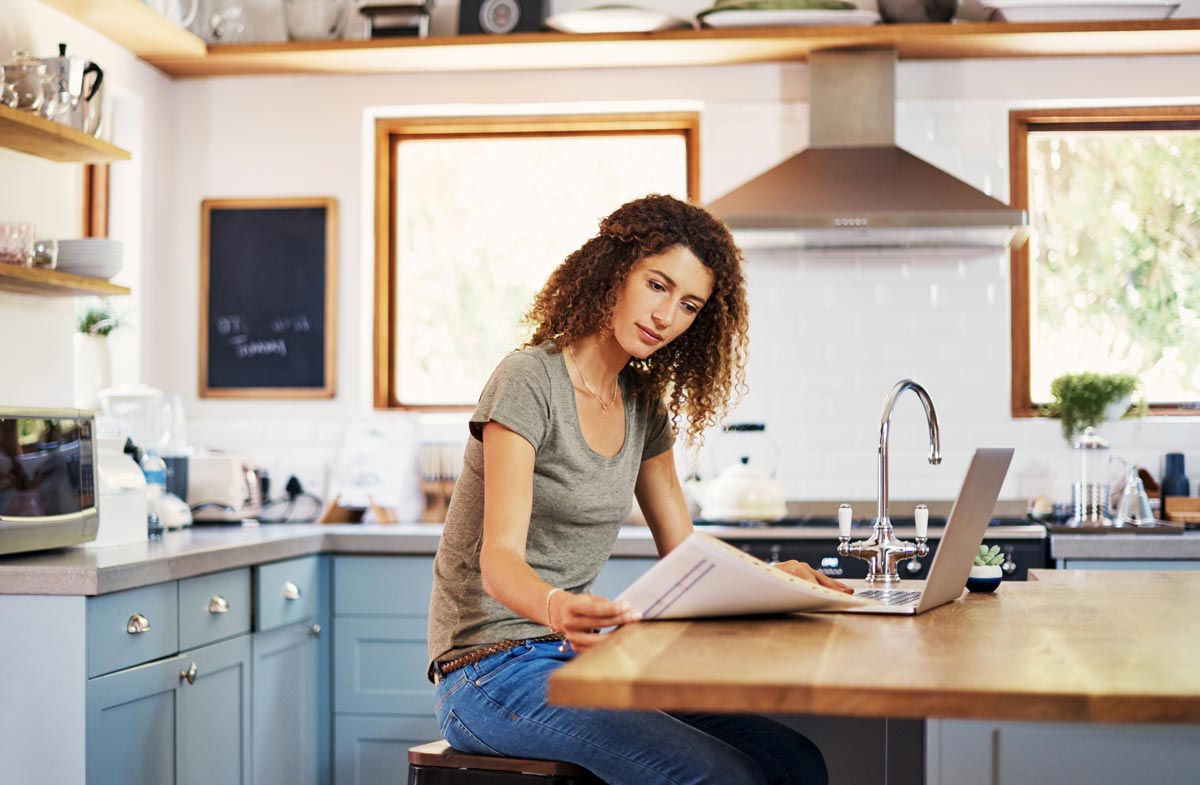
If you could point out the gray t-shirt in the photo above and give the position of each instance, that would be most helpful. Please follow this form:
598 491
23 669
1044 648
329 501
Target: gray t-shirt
580 498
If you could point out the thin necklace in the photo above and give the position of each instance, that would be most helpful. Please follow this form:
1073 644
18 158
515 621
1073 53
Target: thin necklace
603 406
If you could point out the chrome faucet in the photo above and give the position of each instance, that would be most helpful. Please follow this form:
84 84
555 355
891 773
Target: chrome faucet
882 550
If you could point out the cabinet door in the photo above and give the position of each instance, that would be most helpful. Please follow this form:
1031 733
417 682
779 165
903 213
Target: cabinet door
373 749
286 705
131 717
380 667
618 573
213 736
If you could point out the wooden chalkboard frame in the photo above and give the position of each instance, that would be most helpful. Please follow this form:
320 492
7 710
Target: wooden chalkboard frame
328 388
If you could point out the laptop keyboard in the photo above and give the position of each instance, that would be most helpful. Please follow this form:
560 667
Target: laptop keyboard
890 596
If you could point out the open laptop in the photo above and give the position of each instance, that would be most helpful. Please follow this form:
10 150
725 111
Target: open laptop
955 553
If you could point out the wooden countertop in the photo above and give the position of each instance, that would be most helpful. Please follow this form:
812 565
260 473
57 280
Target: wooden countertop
1076 646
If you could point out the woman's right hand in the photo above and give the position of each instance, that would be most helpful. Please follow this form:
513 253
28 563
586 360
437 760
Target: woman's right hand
580 616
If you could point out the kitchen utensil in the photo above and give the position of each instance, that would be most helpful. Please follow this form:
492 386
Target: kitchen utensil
180 12
8 96
26 75
314 20
79 98
742 492
1134 509
1175 481
225 22
917 11
1090 493
16 244
45 253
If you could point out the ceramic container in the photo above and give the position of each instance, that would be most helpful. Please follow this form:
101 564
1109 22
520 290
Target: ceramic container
984 578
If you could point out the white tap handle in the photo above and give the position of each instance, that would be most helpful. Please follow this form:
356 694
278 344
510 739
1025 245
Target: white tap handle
845 518
921 518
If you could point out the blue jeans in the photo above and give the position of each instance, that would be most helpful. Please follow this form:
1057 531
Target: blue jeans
498 707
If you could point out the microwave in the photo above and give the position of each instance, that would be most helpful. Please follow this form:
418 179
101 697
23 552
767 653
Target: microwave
47 479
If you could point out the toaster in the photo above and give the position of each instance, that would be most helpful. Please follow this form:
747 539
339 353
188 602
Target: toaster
222 488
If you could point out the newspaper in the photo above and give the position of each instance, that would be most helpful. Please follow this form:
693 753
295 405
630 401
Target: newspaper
704 576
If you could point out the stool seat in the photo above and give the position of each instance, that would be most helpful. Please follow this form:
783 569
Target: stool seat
437 763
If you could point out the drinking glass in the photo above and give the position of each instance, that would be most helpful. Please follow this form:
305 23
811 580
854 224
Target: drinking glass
16 244
45 253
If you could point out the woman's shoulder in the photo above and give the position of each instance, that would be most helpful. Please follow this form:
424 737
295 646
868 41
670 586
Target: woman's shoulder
531 364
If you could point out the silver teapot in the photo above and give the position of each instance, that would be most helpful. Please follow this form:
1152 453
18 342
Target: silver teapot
79 97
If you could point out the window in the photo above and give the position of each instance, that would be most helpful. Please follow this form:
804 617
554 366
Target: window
474 213
1110 280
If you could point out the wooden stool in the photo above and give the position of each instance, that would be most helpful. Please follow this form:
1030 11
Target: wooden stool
437 763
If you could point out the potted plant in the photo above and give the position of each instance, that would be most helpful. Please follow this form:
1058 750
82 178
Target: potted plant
93 365
1083 400
986 573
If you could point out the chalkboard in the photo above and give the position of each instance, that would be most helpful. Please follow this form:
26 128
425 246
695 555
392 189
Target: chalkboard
267 286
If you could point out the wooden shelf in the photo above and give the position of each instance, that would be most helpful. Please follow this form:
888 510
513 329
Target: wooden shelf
35 135
53 283
133 25
685 47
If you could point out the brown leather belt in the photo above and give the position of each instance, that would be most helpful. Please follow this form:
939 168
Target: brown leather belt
439 670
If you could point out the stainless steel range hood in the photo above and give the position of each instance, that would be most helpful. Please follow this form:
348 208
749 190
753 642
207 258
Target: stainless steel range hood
853 187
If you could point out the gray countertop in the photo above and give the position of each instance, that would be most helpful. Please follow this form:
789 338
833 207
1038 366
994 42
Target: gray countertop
1126 546
200 550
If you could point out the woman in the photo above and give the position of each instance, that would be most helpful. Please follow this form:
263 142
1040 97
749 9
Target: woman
641 328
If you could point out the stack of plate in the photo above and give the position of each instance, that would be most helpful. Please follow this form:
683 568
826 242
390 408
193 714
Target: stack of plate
1078 10
785 13
95 257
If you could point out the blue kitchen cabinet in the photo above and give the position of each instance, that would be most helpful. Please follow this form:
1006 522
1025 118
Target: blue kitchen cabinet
291 697
184 719
383 704
618 573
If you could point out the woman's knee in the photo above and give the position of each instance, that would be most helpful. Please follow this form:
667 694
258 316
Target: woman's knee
803 762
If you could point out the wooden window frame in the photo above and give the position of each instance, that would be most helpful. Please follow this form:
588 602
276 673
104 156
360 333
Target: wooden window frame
390 131
1022 123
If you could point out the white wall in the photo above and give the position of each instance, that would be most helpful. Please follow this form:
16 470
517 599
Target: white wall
35 332
831 333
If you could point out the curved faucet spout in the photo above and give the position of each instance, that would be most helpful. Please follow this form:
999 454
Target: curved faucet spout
885 421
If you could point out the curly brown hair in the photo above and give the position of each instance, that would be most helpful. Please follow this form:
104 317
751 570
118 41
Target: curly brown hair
702 372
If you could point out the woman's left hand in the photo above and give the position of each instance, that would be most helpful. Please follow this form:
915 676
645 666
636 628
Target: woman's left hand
806 572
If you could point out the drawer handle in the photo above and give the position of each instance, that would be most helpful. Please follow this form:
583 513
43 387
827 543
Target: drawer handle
291 591
315 631
188 675
218 604
137 624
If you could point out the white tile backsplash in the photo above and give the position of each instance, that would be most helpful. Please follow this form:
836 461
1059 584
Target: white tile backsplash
833 331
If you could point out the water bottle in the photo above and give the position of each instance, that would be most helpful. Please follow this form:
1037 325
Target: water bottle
155 470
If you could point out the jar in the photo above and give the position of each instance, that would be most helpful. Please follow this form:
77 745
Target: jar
26 76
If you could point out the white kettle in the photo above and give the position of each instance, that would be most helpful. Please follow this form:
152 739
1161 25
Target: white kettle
743 493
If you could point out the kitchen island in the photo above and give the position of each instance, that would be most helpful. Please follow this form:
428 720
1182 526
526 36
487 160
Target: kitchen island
1073 647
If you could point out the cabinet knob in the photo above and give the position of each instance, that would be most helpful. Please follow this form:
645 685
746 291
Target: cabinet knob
1009 566
291 591
137 624
913 566
188 675
218 604
315 631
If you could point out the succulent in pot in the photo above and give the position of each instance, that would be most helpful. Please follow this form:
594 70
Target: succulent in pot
986 572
